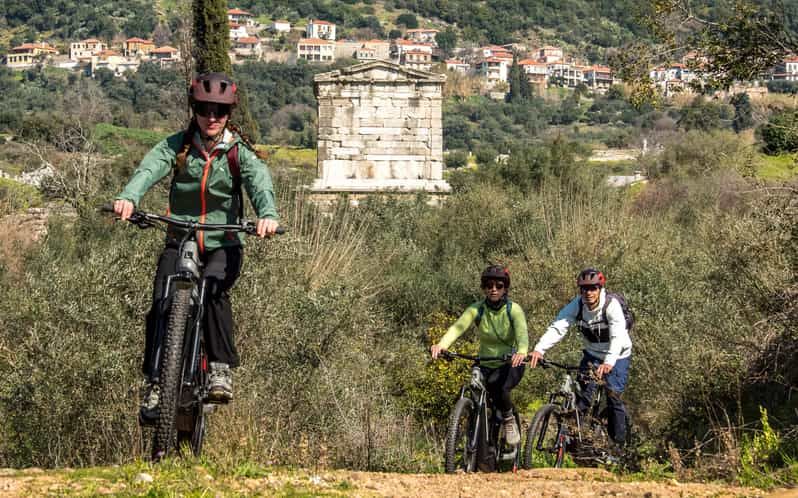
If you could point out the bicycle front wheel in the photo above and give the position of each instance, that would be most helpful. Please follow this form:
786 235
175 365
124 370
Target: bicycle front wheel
544 445
462 424
165 436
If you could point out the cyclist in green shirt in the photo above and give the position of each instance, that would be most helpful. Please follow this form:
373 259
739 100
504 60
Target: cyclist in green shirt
502 330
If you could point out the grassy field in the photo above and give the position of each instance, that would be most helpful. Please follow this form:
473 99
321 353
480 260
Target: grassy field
781 167
112 139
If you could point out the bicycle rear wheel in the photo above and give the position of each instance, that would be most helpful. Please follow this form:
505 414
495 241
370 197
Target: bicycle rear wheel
165 434
544 445
462 424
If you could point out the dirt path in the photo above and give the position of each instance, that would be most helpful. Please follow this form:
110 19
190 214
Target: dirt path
199 481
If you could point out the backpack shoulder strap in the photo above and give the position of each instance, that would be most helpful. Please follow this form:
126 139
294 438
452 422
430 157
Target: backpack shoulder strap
235 171
579 313
480 312
609 296
509 314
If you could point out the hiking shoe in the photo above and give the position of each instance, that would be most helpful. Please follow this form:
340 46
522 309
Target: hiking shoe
221 383
150 397
511 433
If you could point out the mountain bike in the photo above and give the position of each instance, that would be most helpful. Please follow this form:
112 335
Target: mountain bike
559 428
180 363
475 434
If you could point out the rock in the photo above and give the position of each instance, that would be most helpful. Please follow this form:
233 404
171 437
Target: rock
143 477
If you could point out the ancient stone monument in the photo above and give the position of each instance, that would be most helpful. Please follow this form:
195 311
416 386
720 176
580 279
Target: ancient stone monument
380 131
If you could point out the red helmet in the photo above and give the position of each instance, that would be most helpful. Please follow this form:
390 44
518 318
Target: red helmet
217 88
591 276
495 272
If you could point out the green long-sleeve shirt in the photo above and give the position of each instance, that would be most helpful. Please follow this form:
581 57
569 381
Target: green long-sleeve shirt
497 336
203 190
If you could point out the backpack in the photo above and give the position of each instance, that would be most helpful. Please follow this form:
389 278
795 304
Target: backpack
235 170
508 308
628 315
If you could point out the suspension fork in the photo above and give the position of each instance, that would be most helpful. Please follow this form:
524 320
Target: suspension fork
481 413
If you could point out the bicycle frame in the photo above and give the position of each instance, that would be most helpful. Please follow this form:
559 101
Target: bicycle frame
184 373
481 428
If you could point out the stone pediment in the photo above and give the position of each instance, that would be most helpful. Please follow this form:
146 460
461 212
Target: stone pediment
378 71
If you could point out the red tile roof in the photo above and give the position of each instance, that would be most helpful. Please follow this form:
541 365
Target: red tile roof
248 39
91 40
315 41
316 21
164 50
139 40
238 12
31 46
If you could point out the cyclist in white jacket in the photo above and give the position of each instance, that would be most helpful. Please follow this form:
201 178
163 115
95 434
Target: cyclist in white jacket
606 341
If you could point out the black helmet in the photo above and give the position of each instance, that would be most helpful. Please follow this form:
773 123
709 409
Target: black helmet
495 272
591 276
216 88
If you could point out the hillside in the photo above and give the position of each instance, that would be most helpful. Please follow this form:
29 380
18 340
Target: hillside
580 25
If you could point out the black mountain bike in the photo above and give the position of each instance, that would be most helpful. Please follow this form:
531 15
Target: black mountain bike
475 437
559 428
180 362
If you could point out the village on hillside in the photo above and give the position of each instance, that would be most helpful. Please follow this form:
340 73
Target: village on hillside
316 42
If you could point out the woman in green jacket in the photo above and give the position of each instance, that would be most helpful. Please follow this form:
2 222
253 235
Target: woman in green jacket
206 189
502 330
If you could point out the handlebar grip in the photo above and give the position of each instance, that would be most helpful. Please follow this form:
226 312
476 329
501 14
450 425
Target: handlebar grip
107 208
280 231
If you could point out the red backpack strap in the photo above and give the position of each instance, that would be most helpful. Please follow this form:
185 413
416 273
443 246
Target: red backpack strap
235 171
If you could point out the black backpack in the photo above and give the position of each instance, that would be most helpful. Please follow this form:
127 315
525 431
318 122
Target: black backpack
627 312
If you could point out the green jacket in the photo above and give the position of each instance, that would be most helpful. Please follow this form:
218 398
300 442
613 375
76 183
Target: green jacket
497 336
202 191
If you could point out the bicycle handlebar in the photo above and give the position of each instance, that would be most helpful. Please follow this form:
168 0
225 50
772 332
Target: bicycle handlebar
451 355
143 219
548 364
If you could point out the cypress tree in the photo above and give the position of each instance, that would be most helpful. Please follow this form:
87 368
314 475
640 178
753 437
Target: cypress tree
515 81
211 47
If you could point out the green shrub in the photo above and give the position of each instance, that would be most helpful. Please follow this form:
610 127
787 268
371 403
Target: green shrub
780 133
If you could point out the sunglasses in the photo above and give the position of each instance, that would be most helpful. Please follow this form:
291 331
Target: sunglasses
205 109
587 288
494 285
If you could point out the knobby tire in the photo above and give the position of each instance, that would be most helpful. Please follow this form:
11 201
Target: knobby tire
545 423
165 434
461 425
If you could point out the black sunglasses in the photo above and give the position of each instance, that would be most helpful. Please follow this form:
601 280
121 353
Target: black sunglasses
205 109
494 285
585 288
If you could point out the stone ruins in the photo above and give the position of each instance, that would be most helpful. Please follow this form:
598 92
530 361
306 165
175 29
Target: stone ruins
380 131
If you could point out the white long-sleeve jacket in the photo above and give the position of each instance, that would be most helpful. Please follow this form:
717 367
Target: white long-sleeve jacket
619 344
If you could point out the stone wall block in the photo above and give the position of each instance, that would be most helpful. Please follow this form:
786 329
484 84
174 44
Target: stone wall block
379 131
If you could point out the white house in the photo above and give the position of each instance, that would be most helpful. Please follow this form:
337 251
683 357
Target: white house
28 54
280 26
165 56
494 69
237 31
320 29
84 49
550 54
239 16
422 35
399 47
316 50
457 65
787 70
248 47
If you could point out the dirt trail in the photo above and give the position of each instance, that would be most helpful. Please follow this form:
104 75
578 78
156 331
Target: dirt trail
286 482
